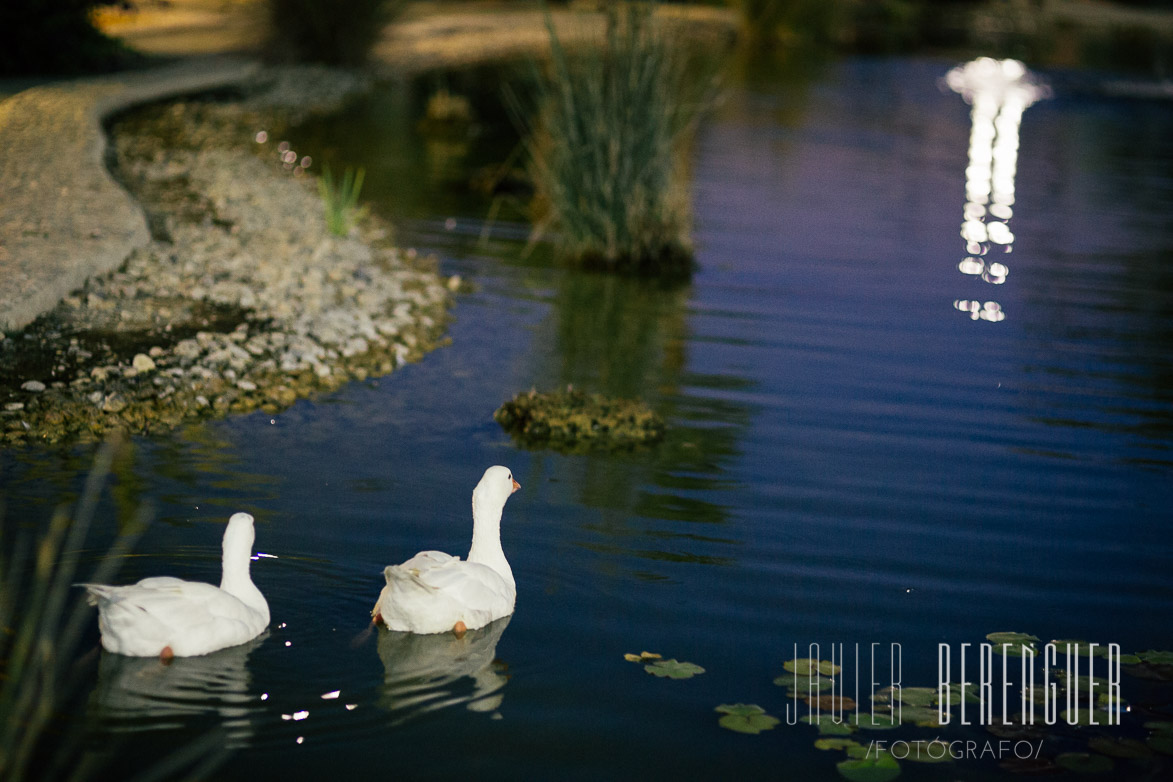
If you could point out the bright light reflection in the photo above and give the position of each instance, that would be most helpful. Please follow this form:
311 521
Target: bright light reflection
999 91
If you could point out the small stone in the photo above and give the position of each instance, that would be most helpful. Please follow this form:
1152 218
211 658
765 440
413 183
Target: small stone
99 373
202 401
114 404
143 363
246 385
34 386
155 352
14 406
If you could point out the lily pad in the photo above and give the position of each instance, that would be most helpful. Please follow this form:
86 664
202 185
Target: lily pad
642 657
875 769
1157 658
674 669
880 722
920 715
921 751
1076 647
828 702
1161 741
956 692
803 685
1160 726
1119 748
1084 763
835 743
1082 684
827 726
745 718
1105 700
909 696
1129 659
1082 718
859 752
804 665
1016 642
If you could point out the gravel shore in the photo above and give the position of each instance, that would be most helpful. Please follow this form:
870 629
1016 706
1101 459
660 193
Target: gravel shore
241 300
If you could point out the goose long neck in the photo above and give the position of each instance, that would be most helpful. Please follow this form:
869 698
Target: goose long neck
237 581
486 538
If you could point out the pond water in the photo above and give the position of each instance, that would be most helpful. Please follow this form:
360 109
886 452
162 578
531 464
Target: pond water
856 456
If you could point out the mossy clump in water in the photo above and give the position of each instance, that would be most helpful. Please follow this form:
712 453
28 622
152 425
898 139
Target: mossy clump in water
572 420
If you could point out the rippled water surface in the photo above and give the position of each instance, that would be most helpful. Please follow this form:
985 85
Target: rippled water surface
854 456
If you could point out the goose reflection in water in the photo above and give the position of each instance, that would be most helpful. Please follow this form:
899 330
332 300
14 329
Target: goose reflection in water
143 693
428 672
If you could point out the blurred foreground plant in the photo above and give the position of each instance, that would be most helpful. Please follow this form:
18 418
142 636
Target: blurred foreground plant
340 199
41 628
341 32
606 147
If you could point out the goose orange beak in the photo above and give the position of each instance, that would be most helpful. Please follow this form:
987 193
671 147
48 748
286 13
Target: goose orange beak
516 486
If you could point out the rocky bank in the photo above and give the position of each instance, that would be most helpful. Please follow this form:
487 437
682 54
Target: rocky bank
241 300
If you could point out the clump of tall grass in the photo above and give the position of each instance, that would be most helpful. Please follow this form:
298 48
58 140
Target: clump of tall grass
340 199
340 32
606 147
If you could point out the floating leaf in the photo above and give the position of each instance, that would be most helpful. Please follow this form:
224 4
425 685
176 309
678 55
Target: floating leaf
1082 718
1084 762
642 657
1082 684
910 696
1129 659
1079 648
835 743
1160 726
921 751
803 666
1157 658
674 669
859 752
1015 641
835 703
745 718
1161 741
1119 748
920 715
1106 700
956 692
803 685
874 769
827 726
879 722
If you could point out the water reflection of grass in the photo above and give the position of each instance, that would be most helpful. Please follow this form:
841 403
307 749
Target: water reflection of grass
628 337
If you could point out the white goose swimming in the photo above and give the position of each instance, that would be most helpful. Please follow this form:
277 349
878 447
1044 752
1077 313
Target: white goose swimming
435 592
170 617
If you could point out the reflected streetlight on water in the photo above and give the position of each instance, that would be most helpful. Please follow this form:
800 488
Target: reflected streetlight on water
999 91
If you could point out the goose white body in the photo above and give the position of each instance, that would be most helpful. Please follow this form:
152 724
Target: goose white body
432 592
189 618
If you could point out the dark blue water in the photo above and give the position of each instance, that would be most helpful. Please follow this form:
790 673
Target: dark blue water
851 458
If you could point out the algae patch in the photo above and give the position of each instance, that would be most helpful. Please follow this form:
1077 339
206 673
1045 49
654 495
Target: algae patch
572 420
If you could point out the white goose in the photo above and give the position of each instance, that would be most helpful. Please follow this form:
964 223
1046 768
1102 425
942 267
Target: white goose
170 617
435 592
